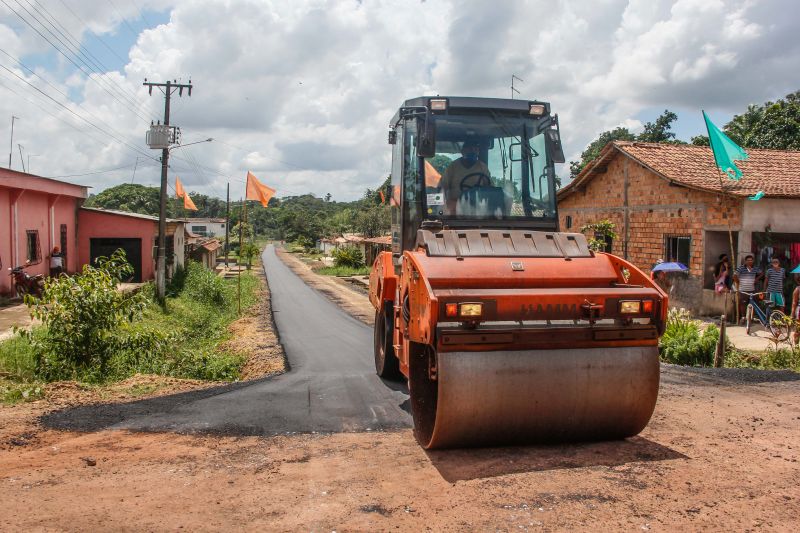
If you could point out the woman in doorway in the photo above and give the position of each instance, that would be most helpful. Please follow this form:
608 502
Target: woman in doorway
722 277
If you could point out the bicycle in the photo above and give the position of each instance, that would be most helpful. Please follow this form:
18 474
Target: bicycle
773 320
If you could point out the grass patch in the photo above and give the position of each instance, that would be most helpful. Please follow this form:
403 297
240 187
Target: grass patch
343 271
784 358
181 341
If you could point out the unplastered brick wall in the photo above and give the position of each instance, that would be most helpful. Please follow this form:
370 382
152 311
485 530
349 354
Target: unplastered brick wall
656 210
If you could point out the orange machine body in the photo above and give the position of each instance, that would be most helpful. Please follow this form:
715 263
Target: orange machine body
536 303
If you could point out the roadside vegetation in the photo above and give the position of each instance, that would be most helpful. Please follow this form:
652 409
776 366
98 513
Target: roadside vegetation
686 342
94 334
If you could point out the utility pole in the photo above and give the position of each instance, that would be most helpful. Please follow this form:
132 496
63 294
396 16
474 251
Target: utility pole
21 160
161 267
11 147
227 222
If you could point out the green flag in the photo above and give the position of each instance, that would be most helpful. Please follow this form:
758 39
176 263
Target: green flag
725 150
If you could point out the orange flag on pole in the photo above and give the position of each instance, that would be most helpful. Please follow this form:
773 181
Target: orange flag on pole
383 197
257 190
188 203
181 193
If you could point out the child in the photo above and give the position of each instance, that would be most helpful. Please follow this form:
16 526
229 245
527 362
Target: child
773 283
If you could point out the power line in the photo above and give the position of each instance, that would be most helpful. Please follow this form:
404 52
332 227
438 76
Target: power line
76 114
76 47
59 91
59 50
93 172
93 33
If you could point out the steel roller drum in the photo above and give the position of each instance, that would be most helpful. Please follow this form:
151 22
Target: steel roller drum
533 396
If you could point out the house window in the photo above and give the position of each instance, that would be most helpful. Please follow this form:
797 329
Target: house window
200 230
34 250
568 221
677 248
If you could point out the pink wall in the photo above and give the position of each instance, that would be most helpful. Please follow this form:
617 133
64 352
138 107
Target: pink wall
96 225
32 203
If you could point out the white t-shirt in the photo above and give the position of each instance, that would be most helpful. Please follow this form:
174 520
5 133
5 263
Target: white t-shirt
56 261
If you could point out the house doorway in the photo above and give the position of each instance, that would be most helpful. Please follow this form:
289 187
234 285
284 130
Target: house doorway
107 246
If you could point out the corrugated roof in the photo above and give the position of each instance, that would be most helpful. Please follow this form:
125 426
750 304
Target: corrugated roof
776 172
126 214
385 239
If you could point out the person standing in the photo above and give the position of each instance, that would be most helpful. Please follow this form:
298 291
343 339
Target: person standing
56 262
745 277
795 310
773 284
722 275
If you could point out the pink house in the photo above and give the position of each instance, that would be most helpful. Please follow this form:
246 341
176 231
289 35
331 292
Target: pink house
36 214
101 231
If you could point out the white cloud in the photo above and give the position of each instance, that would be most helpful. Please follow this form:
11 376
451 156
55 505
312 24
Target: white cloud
301 92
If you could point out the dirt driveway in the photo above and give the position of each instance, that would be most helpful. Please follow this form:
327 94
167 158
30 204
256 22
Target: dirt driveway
721 454
718 455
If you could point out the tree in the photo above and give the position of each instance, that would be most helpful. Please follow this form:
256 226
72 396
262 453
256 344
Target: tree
700 140
129 197
774 125
440 162
660 131
373 222
595 147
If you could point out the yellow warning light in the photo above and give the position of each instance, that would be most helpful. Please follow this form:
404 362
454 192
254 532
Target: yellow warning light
473 309
630 307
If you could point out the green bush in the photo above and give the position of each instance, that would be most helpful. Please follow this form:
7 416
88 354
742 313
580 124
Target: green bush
248 252
348 256
204 286
81 315
175 285
683 343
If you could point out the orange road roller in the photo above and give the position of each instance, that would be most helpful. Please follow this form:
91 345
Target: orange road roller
507 330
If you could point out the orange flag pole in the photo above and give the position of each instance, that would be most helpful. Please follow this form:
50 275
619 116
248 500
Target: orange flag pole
257 190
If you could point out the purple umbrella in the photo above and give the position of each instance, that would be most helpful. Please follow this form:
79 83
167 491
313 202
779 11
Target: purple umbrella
670 267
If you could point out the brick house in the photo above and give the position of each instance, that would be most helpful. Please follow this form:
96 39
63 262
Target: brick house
667 202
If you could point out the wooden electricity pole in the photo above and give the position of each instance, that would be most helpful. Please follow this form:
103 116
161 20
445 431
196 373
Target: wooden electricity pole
161 266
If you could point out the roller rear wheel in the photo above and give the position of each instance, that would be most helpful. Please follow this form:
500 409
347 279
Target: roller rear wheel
463 399
387 365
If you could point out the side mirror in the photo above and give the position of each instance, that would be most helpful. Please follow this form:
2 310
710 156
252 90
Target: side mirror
552 139
392 136
427 139
515 152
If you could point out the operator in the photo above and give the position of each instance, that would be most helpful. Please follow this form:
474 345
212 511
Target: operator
453 178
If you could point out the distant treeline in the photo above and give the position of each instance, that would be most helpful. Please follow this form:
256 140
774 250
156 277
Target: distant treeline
288 218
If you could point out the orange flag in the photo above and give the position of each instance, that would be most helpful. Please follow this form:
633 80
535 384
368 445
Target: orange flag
188 203
432 176
257 190
383 197
180 192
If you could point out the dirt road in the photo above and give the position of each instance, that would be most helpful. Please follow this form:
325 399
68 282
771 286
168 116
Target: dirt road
721 453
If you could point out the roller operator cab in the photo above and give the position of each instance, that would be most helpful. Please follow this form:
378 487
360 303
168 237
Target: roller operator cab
507 330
